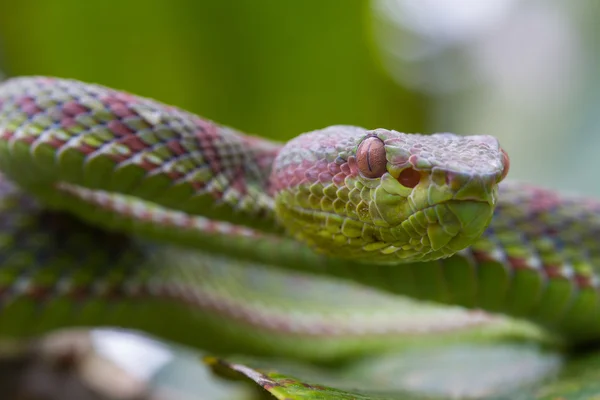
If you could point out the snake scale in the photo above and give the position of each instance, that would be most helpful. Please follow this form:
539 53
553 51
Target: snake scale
128 212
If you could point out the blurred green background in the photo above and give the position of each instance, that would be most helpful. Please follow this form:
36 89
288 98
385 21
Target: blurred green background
273 67
524 71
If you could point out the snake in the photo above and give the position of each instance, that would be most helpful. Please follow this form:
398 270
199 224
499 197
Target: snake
119 210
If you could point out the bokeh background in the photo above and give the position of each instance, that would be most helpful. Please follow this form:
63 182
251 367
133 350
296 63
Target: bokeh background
524 71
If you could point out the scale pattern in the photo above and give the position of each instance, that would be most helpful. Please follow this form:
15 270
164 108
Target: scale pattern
53 274
75 145
105 139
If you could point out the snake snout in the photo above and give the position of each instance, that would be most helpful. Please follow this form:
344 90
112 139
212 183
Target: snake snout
473 188
473 218
464 204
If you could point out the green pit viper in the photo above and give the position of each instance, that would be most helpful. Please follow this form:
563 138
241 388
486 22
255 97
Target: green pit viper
130 213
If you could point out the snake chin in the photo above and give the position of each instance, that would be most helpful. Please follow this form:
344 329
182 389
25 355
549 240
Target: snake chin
452 226
434 232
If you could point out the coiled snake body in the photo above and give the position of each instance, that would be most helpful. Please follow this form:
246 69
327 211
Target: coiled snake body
423 216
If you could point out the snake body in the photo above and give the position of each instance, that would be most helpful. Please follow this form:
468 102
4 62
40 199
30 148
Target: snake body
430 217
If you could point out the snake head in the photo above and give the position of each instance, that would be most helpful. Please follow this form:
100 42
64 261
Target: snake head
387 196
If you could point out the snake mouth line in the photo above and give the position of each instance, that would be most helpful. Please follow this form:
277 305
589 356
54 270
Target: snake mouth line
433 232
309 211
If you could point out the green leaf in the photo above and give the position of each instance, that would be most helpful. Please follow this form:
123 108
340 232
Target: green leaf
464 371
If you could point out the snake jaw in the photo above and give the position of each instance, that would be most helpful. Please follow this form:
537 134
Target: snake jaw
388 227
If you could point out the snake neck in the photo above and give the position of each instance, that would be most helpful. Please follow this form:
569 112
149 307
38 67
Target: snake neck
68 143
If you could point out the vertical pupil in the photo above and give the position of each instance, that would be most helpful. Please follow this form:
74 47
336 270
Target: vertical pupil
371 157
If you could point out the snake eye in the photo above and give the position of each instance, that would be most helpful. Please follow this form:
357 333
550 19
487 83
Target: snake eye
371 157
409 178
506 163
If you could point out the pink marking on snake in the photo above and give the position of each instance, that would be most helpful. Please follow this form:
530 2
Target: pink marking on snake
119 158
174 175
345 168
290 176
483 256
86 148
399 159
73 109
119 128
544 200
67 122
7 135
584 281
55 142
298 172
311 175
305 173
46 80
22 101
31 109
124 97
325 177
121 110
554 272
334 168
413 159
27 139
176 147
239 183
518 263
147 164
353 165
207 133
197 186
133 143
339 180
